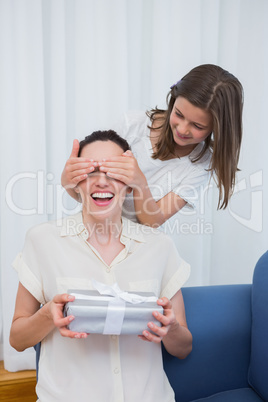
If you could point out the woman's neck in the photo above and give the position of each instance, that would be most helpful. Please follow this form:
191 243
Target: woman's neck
104 236
102 228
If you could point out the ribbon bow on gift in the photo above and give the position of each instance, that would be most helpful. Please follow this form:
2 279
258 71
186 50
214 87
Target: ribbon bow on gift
115 291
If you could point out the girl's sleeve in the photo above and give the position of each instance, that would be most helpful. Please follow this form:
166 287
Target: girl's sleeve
193 186
130 125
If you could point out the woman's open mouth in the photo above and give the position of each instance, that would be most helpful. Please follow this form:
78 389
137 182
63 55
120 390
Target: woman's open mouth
102 199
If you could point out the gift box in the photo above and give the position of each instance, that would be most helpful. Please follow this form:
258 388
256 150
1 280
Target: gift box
110 311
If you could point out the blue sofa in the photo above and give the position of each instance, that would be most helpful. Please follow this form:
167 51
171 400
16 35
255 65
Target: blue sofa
229 360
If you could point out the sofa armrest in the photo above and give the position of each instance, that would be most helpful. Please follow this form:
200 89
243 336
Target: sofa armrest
219 318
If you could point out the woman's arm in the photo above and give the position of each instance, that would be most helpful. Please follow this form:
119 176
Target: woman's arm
178 340
31 323
174 331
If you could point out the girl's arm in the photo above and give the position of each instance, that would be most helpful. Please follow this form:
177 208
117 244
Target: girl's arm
174 331
155 213
148 211
125 168
31 323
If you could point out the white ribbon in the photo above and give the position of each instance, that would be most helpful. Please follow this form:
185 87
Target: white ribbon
116 299
114 291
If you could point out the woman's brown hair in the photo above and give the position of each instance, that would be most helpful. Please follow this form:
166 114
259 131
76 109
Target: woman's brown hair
106 135
220 93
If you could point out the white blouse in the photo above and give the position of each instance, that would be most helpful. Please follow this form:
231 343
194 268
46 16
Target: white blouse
101 368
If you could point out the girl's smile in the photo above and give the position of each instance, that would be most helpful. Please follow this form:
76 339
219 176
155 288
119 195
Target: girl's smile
183 137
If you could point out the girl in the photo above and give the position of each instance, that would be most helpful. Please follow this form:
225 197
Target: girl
175 151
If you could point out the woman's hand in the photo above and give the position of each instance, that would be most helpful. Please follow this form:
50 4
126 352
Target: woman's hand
124 168
61 322
167 320
76 168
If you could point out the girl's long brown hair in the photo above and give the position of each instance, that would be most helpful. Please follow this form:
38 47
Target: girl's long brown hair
217 91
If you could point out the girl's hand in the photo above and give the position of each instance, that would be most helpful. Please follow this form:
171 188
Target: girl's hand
124 168
61 322
76 168
167 320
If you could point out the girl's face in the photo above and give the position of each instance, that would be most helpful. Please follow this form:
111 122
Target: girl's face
190 125
102 197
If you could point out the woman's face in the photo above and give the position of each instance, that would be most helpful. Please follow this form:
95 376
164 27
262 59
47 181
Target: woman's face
102 197
190 125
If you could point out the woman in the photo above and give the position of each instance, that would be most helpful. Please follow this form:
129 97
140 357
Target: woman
175 151
99 244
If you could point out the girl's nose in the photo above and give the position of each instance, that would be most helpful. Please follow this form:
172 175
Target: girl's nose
183 128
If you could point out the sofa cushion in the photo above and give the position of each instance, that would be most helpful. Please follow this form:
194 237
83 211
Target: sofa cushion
258 369
236 395
219 318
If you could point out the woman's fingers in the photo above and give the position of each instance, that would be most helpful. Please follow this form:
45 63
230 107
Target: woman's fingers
157 333
62 322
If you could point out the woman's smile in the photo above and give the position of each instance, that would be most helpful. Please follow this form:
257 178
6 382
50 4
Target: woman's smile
102 198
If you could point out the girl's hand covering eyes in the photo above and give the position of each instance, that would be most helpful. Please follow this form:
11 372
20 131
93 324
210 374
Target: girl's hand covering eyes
124 168
76 168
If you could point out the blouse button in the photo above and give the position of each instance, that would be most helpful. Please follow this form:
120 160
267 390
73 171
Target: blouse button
108 270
